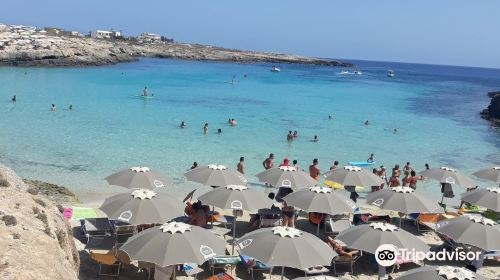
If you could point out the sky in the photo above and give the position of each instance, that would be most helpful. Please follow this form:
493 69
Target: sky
451 32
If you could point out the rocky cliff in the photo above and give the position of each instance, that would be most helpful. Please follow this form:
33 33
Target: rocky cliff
29 47
492 113
35 240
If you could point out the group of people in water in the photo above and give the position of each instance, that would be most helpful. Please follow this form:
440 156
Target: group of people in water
292 136
231 122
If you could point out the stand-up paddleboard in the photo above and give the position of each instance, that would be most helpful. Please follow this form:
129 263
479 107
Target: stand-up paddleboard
144 97
361 163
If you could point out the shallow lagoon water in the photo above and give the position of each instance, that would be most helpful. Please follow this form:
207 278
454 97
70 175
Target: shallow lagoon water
435 109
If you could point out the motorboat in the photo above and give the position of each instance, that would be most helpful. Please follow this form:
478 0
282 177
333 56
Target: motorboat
390 73
357 72
275 69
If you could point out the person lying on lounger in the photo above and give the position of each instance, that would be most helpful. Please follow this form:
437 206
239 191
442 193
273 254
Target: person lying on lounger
340 249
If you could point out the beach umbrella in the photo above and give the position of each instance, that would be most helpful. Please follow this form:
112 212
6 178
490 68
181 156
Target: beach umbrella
489 198
236 197
320 200
286 246
404 200
142 206
139 177
448 175
440 273
174 243
477 231
490 174
215 175
287 177
353 176
369 237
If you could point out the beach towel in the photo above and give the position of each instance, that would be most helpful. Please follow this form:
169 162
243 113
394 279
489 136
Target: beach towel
80 213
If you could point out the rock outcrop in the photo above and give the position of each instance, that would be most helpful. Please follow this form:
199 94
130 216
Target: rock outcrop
492 113
28 47
35 240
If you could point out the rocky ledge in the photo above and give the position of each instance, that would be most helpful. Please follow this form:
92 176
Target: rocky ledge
492 113
30 48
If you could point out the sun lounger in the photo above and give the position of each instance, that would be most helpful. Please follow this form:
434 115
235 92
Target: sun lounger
123 233
492 255
269 217
96 227
191 269
345 260
252 265
222 276
222 262
431 220
106 258
336 224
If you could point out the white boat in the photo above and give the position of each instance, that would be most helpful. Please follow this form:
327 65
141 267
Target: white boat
344 72
275 69
390 73
357 72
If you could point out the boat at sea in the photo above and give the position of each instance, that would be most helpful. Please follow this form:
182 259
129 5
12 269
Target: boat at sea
275 69
390 73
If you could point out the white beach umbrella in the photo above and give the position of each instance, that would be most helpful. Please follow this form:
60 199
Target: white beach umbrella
139 177
215 175
287 177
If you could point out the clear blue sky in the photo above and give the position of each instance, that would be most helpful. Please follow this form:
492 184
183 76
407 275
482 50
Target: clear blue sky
453 32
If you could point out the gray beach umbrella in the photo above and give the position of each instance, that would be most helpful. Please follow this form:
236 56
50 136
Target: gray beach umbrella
215 175
489 198
139 177
369 237
403 200
320 200
490 174
142 206
287 177
448 175
477 231
174 243
236 197
286 247
440 273
353 176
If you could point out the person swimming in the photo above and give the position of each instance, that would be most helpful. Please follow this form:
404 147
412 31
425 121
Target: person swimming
195 164
233 122
14 98
53 108
205 128
315 139
367 122
183 124
330 117
289 137
145 91
219 131
295 134
70 107
370 159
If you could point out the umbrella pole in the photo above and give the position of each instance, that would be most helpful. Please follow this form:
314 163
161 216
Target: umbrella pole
212 219
234 234
317 230
282 272
175 270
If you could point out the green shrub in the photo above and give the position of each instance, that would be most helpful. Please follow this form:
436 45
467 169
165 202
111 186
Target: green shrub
43 217
9 220
4 183
40 202
33 190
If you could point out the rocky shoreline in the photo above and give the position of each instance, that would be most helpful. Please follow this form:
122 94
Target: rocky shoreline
33 48
492 113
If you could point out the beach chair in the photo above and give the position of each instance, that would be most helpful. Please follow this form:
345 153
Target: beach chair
345 260
221 276
123 233
191 269
109 264
252 265
269 217
336 224
223 262
96 227
315 270
148 267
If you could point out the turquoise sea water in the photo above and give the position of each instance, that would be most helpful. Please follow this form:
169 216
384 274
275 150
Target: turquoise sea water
435 108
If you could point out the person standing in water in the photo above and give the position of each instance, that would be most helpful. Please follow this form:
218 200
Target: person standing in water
195 164
268 162
183 124
14 98
205 128
295 164
289 137
53 108
314 171
367 122
315 139
145 91
335 165
241 165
